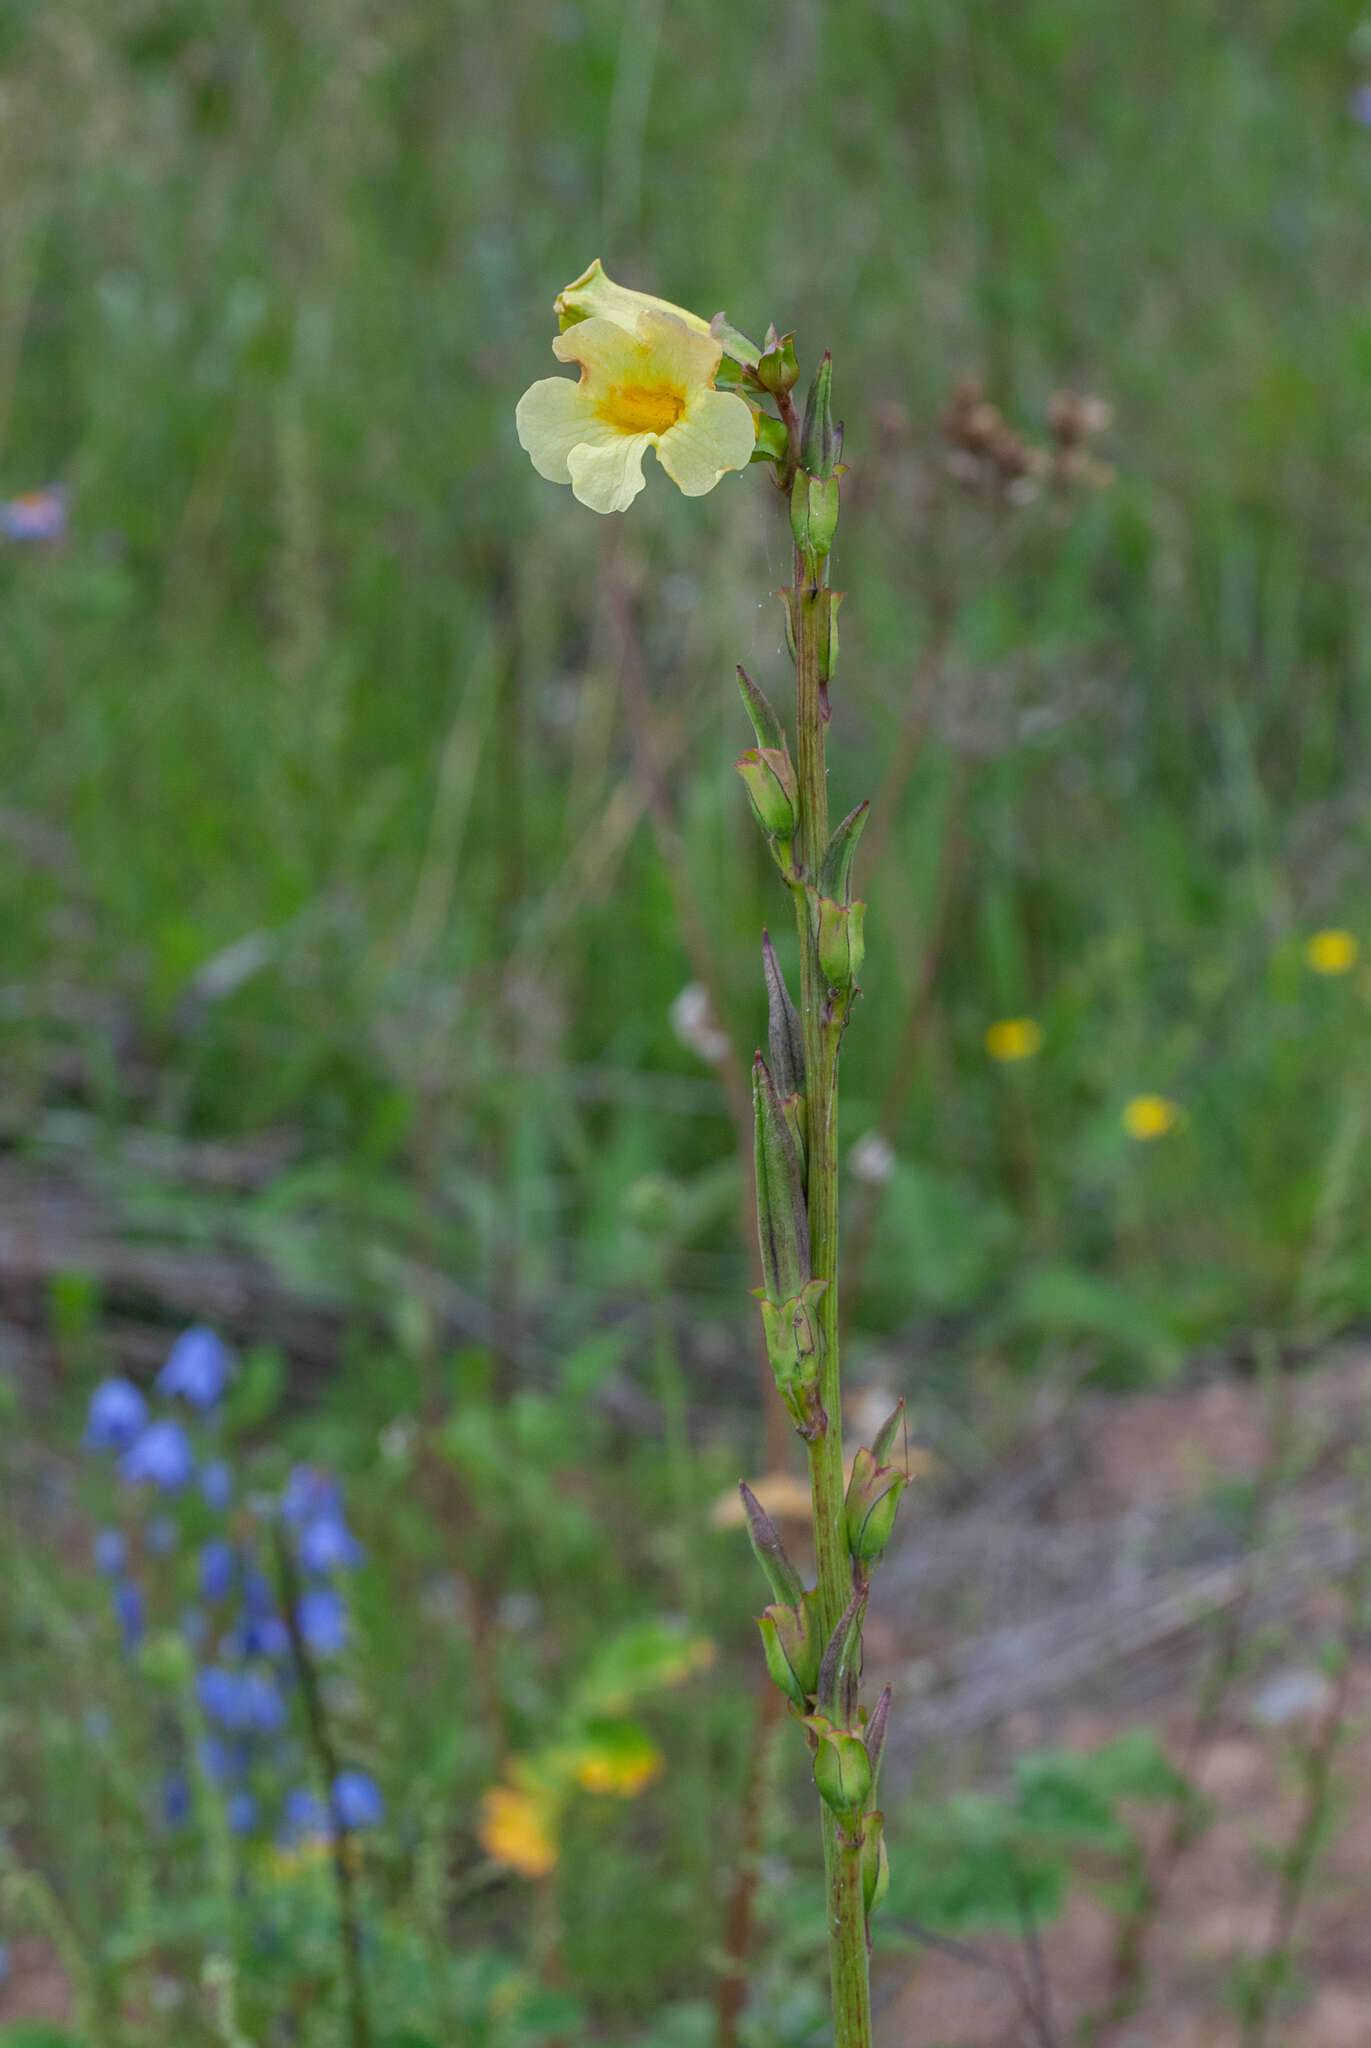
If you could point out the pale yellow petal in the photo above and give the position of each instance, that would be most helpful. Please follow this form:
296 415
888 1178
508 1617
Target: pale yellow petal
593 295
607 473
660 351
716 433
552 417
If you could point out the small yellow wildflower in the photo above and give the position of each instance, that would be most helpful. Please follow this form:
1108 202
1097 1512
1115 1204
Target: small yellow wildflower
1331 952
1014 1038
647 381
620 1760
1150 1116
517 1830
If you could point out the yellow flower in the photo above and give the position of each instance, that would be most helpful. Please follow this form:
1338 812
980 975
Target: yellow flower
595 296
622 1760
517 1829
1150 1116
1331 952
644 384
1014 1038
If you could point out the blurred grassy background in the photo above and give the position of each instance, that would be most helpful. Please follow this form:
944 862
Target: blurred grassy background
325 812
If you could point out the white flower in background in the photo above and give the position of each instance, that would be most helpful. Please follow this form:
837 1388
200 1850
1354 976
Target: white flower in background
872 1159
693 1022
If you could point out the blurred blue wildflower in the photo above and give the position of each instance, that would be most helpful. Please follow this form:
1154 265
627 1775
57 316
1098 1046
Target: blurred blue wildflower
262 1635
6 1962
161 1456
36 515
304 1815
307 1492
130 1612
242 1813
175 1800
222 1762
242 1702
95 1724
109 1550
357 1800
328 1545
197 1368
1361 103
217 1565
118 1413
323 1620
194 1626
216 1484
161 1536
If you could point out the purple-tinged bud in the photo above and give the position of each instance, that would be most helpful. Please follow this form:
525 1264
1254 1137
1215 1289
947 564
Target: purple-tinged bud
875 1862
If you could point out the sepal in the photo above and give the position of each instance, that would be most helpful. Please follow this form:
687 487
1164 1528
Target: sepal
818 447
777 368
768 1549
767 726
782 1217
835 869
875 1862
795 1346
790 1645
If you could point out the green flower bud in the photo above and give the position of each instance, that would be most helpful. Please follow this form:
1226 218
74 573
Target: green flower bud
785 1037
795 1346
842 1771
835 869
842 946
778 371
873 1497
770 780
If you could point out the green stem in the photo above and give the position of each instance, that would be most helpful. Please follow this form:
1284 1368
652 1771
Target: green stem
822 1034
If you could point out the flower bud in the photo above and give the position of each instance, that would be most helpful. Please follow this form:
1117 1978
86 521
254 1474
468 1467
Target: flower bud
777 369
770 780
842 946
873 1497
842 1772
795 1346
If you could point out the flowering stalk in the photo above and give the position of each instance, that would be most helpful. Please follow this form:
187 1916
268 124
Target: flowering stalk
705 400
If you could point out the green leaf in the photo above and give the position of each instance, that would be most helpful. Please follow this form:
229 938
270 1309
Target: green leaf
1063 1300
1058 1802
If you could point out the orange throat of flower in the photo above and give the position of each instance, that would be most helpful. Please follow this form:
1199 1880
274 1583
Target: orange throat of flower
642 408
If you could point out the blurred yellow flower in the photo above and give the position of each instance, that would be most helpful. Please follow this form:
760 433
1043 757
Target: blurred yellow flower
621 1760
517 1829
1150 1116
644 384
1331 952
1014 1038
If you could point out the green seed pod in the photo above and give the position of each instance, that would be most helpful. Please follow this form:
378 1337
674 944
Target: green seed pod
770 782
842 1771
842 944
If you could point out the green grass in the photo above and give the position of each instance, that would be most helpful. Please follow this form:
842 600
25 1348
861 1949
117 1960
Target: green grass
325 661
